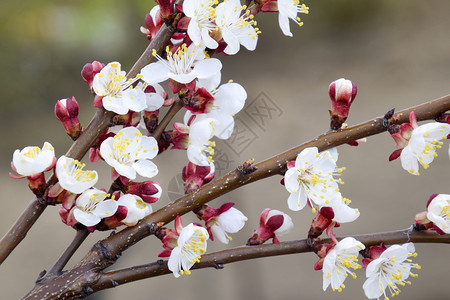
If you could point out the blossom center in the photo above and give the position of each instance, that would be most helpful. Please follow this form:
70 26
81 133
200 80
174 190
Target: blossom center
179 62
32 152
124 148
75 170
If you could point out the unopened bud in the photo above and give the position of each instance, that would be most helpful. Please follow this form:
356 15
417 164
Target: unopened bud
89 70
66 110
149 191
342 93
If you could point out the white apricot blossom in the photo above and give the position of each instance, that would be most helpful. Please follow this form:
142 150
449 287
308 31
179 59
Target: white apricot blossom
438 212
129 153
236 29
230 221
71 176
202 23
342 212
137 209
339 263
311 178
91 207
390 271
33 160
118 93
229 99
191 244
200 149
422 146
183 66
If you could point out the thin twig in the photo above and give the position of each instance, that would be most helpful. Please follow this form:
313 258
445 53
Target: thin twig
177 105
79 238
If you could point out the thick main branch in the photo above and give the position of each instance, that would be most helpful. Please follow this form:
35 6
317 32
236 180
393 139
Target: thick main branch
275 165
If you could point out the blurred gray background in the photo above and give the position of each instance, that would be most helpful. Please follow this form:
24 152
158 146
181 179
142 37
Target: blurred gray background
397 52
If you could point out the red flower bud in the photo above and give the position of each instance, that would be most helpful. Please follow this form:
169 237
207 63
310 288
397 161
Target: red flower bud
89 70
66 110
149 191
342 93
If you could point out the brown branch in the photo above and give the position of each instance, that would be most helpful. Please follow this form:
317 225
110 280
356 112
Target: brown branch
79 238
174 109
105 253
98 124
220 258
18 231
275 165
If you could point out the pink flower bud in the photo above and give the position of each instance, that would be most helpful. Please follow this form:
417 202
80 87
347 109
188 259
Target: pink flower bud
149 191
89 70
66 111
342 93
273 223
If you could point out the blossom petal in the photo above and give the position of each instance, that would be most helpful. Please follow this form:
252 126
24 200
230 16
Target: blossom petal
297 201
85 218
106 208
155 72
409 161
207 67
145 168
283 21
291 180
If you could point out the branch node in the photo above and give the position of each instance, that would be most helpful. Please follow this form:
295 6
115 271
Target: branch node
41 276
218 266
387 117
247 167
88 290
